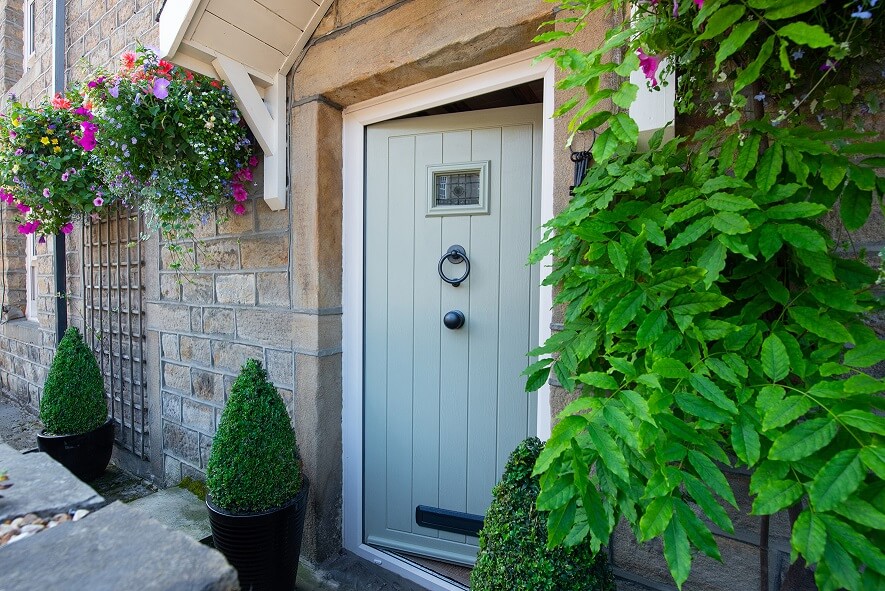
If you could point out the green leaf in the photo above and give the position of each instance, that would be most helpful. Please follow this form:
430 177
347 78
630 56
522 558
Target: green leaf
710 474
712 260
855 207
745 441
701 408
625 311
537 379
626 95
854 542
560 522
836 480
803 440
826 328
670 368
721 20
564 431
618 256
723 370
769 167
604 146
669 280
624 128
709 390
748 156
786 411
608 451
863 384
731 223
692 233
778 495
818 263
696 303
735 41
621 424
809 536
651 328
842 569
792 211
791 8
866 354
677 552
874 458
636 403
832 171
775 362
557 495
864 420
656 518
598 379
859 511
805 34
697 530
728 202
802 237
769 241
711 508
751 73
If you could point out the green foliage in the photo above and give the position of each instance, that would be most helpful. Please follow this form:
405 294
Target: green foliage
254 463
73 398
512 544
196 487
709 318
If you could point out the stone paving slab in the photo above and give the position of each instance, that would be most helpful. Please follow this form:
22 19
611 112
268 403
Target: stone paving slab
179 509
113 549
41 486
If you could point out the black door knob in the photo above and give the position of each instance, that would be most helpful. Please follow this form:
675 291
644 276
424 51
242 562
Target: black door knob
454 319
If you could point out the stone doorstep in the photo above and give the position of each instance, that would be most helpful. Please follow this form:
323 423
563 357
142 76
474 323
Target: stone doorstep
41 486
117 547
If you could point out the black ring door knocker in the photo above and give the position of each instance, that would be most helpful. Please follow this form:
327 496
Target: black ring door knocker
455 255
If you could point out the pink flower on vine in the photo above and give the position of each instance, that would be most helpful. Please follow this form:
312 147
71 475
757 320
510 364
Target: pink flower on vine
98 202
239 209
67 228
23 208
649 65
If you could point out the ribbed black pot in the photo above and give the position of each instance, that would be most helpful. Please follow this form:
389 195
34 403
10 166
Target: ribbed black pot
263 547
85 455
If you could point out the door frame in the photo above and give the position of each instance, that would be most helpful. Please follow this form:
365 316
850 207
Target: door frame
498 74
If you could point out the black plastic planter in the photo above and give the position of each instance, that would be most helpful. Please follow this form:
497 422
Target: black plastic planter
85 455
263 547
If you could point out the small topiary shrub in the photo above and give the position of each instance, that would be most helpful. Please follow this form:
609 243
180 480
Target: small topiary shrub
253 465
73 399
513 554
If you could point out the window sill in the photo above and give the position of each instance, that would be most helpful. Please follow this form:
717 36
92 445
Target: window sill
24 330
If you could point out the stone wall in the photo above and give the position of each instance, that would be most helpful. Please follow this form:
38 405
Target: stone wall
11 43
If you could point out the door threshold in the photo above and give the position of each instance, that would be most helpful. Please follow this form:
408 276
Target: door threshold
456 574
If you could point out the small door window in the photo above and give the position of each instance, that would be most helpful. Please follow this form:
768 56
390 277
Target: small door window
458 189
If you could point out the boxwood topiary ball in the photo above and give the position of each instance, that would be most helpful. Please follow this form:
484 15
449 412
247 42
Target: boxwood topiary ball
513 553
73 400
253 465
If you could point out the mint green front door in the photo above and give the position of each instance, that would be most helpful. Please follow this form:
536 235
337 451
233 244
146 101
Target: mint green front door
444 407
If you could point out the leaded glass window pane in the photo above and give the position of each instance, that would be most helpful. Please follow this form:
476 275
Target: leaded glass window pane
457 188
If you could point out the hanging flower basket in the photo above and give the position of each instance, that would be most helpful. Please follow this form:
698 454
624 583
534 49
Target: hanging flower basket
150 136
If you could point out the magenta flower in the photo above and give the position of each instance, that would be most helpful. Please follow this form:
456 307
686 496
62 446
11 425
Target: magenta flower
23 208
161 88
67 228
240 192
239 209
699 3
46 193
98 202
649 65
96 82
12 135
87 140
19 152
65 176
253 160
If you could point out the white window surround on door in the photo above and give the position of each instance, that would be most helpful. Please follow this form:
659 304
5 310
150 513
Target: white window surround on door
653 111
505 72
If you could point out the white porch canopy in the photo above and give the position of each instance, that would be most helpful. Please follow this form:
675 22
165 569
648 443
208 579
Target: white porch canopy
251 45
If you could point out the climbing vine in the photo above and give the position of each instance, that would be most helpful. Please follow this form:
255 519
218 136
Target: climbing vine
710 320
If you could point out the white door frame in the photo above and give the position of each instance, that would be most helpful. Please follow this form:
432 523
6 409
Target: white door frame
502 73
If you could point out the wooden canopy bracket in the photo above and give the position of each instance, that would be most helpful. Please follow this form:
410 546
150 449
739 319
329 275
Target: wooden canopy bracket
267 119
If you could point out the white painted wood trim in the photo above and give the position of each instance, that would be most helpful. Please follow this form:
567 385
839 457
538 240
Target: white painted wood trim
267 119
508 71
174 22
312 25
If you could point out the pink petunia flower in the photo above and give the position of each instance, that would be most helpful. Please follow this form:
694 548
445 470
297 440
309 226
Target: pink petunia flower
23 208
67 228
161 88
98 202
649 65
240 192
253 160
239 209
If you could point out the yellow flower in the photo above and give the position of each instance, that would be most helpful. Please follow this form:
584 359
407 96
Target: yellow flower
15 168
54 141
44 140
56 149
50 131
15 122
